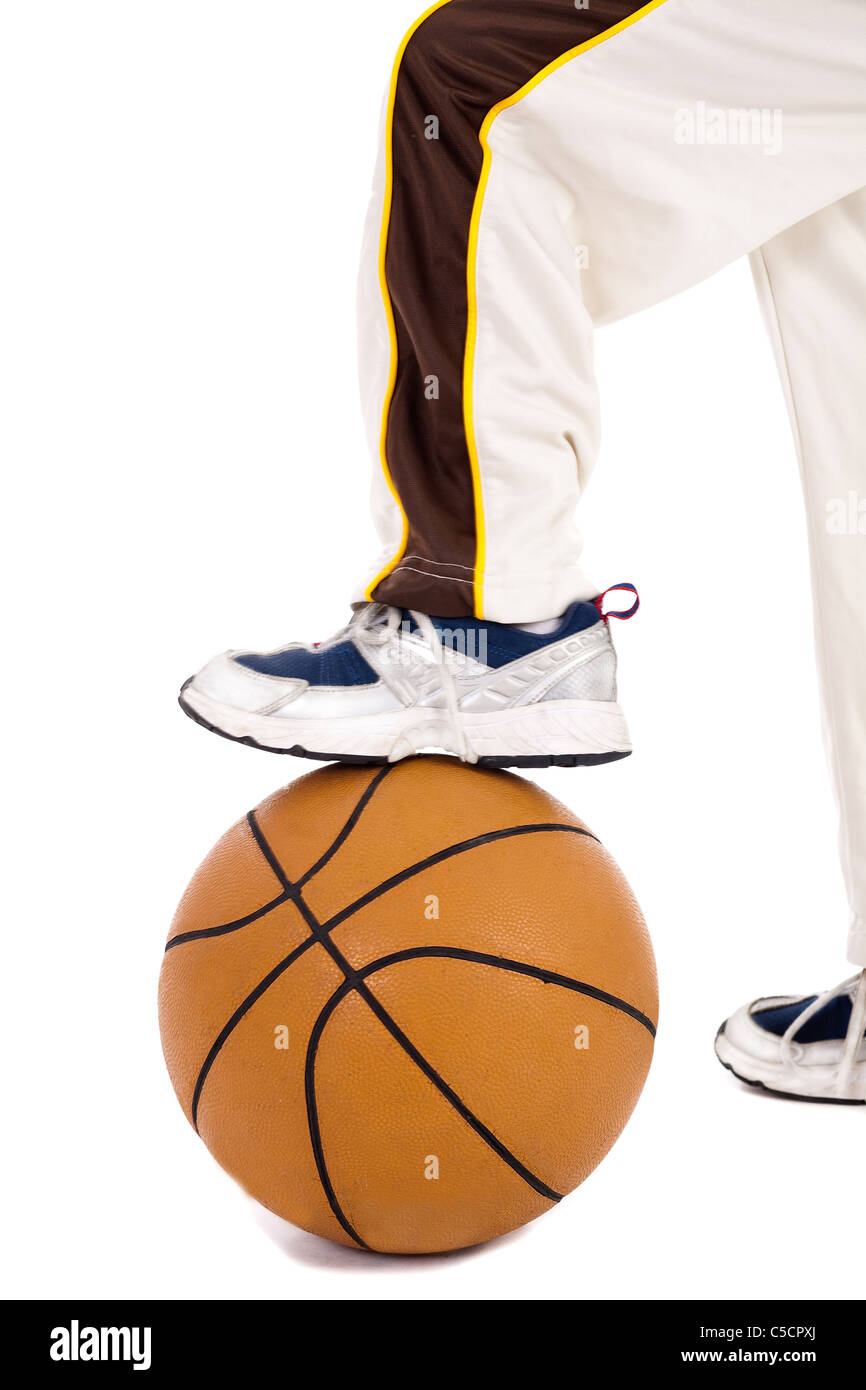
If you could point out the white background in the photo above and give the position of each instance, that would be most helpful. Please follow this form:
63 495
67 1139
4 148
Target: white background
184 186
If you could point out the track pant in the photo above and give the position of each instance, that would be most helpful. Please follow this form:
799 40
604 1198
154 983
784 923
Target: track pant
548 166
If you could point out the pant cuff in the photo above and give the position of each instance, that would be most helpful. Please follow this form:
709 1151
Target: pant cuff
857 943
513 598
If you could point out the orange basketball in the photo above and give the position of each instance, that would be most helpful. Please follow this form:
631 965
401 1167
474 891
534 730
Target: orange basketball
408 1008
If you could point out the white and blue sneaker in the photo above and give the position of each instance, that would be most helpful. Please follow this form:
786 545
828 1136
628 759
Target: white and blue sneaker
811 1048
395 683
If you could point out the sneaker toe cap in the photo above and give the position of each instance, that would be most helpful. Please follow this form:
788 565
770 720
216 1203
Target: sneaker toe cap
742 1032
228 683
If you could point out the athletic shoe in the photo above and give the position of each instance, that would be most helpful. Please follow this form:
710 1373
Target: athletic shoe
394 683
811 1048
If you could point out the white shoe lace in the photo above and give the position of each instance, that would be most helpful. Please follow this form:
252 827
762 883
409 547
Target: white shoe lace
376 625
792 1052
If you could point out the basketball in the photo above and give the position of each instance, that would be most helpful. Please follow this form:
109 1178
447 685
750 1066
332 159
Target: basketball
408 1008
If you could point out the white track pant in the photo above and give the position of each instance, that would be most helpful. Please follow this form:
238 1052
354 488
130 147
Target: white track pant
812 284
548 167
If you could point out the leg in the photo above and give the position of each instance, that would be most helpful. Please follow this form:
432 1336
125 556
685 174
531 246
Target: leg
419 304
811 281
546 167
812 285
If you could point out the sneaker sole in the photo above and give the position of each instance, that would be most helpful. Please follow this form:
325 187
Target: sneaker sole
775 1090
372 760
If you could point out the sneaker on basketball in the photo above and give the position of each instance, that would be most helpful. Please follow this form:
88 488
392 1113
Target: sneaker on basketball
812 1048
394 683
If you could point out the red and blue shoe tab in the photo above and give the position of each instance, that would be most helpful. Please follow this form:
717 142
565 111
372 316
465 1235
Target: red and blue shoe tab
624 614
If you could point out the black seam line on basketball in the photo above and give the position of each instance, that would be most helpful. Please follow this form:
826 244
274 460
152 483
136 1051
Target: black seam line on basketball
452 1097
355 981
283 897
228 926
348 987
266 849
226 1032
517 967
347 828
317 934
462 848
313 1125
292 894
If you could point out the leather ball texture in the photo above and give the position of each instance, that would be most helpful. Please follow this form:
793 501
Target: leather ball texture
408 1008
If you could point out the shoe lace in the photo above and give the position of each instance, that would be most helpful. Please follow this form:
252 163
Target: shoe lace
377 625
856 986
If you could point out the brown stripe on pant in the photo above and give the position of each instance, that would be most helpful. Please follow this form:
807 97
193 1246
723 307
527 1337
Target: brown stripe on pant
462 61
